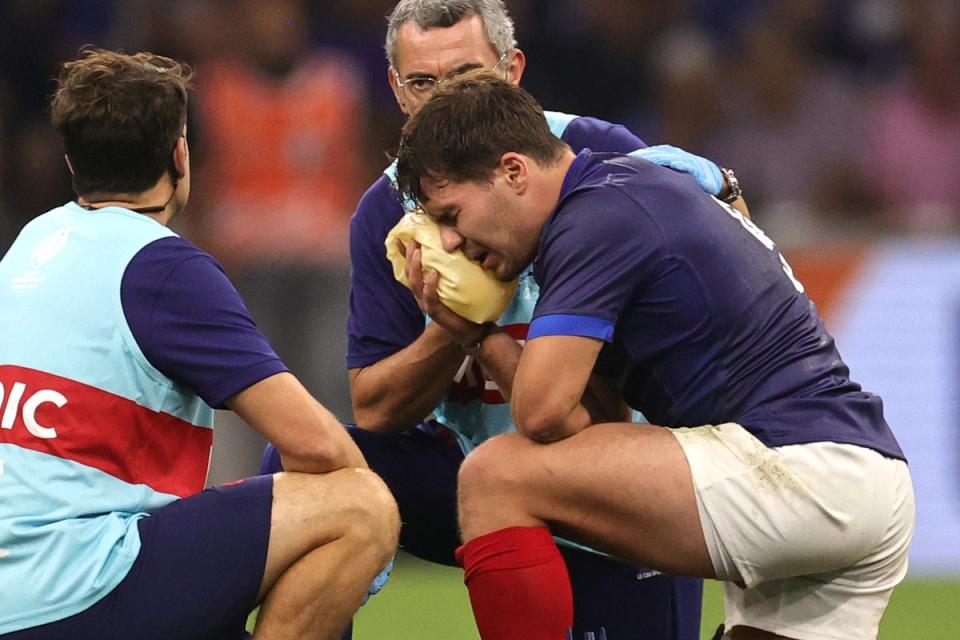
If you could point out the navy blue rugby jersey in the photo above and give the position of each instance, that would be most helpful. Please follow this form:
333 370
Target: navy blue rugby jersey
384 317
703 320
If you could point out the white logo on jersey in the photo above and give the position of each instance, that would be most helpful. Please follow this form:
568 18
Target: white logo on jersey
28 410
45 251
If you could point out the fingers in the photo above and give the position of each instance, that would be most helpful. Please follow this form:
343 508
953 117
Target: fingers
425 287
430 295
414 266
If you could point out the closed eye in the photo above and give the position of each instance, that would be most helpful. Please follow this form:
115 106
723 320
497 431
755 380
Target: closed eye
447 217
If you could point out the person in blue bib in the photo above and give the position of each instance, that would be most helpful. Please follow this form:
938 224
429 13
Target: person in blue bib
420 402
764 466
120 339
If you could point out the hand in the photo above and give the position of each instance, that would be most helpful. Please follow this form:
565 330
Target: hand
379 581
706 173
424 288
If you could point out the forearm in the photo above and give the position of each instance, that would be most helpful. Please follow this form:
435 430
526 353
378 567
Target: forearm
499 354
403 389
338 452
308 437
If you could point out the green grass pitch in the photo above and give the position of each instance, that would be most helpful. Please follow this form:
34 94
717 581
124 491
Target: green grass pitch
424 601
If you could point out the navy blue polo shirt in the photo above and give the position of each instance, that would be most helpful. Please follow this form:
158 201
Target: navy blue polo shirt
191 323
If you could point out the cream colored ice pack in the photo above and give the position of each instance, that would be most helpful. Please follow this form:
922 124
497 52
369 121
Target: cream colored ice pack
464 286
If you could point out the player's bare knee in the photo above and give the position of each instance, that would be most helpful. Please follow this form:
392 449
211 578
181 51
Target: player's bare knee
492 470
346 502
373 514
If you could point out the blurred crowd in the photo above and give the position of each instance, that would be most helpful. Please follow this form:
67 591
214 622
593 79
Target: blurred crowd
841 119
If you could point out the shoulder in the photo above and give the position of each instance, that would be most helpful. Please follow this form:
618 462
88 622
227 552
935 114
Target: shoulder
584 132
594 211
616 198
169 253
378 209
174 265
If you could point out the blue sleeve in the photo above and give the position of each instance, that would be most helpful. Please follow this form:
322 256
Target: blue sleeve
384 317
600 135
191 323
595 253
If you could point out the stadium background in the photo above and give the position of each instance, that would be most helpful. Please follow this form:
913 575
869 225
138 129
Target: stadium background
841 117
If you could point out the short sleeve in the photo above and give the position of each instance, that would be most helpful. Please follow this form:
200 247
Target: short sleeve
384 317
596 252
191 323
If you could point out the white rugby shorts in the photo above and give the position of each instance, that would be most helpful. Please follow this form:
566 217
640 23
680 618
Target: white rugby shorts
809 540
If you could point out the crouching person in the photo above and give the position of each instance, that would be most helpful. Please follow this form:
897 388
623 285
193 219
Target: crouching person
119 338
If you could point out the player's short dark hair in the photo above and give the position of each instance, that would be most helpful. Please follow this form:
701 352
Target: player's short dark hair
119 116
461 133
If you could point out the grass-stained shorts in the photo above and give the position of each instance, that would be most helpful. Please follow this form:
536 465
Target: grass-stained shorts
809 539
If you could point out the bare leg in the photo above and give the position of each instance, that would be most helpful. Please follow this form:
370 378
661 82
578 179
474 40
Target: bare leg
330 535
621 488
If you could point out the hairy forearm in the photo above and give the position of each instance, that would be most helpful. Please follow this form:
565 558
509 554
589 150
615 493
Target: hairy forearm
397 392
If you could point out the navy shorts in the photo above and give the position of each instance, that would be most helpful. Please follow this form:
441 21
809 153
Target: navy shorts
196 577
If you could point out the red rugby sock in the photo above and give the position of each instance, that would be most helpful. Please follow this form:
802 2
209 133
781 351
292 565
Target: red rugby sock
518 583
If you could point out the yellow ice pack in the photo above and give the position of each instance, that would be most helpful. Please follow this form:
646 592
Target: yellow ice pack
463 286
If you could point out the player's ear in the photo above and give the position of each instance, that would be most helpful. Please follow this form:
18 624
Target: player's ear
181 157
515 170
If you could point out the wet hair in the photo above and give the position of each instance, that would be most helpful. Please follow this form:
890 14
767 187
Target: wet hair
119 116
430 14
461 133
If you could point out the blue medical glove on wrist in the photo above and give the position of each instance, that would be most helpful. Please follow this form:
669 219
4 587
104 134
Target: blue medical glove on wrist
706 173
379 581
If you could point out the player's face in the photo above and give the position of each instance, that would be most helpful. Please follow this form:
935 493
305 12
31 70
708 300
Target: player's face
484 220
425 56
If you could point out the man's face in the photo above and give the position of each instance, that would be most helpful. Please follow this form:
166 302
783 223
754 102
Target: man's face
440 54
485 221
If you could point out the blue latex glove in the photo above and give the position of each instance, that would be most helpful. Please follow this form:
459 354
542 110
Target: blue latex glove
706 173
379 582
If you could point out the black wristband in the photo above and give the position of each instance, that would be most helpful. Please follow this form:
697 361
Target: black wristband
475 343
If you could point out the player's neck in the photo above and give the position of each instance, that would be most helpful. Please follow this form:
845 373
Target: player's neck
156 202
552 181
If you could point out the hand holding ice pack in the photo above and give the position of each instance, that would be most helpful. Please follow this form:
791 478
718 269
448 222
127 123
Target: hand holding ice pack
464 286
